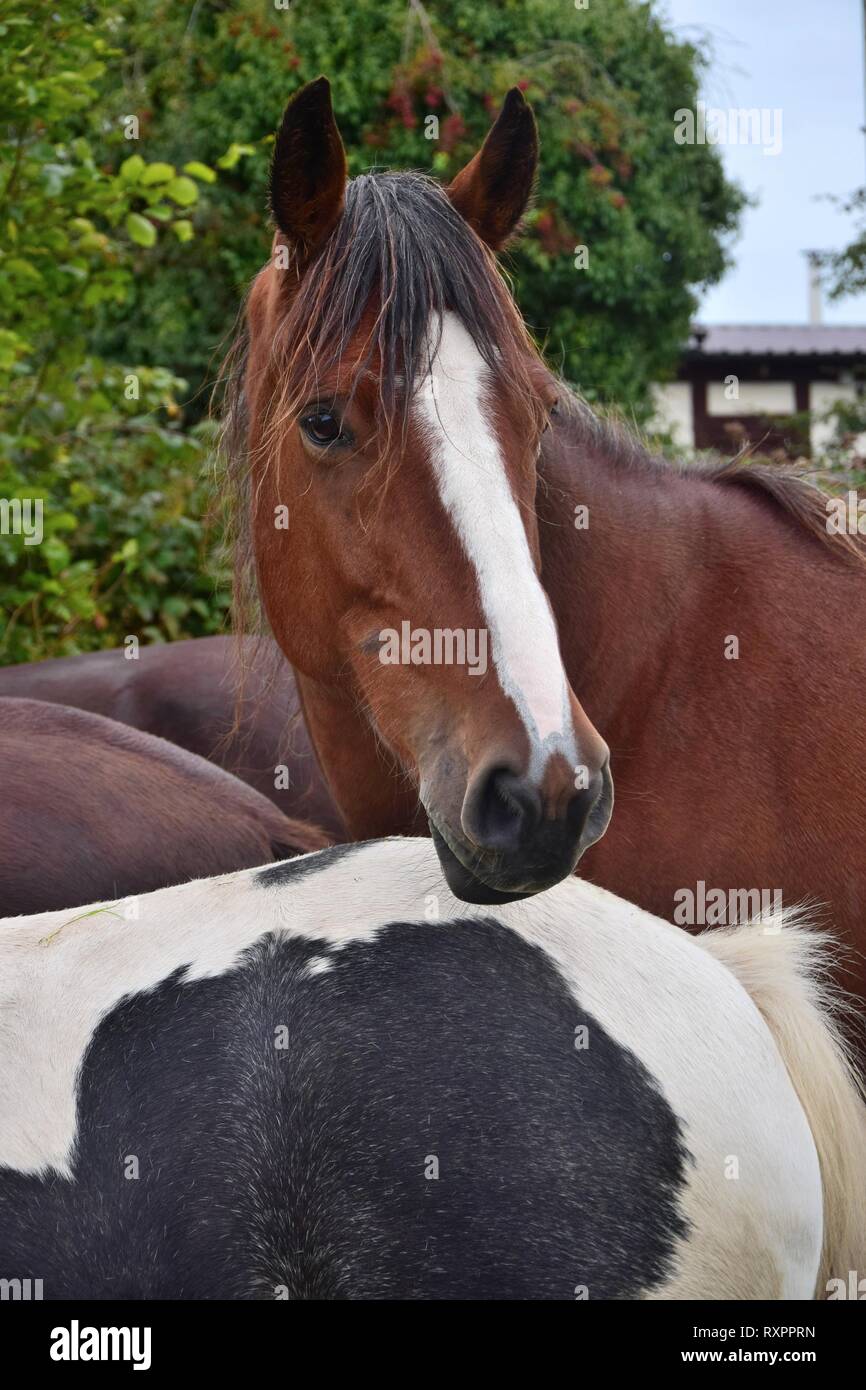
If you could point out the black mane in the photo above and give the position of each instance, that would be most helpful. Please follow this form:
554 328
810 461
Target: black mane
401 243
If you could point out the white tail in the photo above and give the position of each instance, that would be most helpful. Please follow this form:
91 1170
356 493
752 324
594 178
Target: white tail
784 966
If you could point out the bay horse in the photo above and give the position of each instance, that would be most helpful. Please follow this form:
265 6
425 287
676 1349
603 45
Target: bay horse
236 706
409 471
92 810
329 1078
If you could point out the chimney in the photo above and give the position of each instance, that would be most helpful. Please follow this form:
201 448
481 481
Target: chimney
815 306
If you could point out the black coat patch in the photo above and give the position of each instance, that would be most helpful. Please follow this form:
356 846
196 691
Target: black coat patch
281 875
414 1122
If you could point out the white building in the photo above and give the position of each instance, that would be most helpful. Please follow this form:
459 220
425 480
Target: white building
738 384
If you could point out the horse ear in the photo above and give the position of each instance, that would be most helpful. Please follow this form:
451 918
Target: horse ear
493 190
308 171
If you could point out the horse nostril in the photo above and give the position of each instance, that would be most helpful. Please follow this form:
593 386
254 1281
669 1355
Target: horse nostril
504 812
583 802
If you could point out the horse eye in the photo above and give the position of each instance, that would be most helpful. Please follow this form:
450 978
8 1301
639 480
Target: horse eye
323 427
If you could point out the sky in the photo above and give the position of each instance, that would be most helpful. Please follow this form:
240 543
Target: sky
805 57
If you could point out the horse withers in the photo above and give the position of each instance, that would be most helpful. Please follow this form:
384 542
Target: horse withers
92 809
328 1078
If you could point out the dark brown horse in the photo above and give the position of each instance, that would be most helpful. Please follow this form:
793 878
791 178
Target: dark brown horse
187 692
91 810
413 472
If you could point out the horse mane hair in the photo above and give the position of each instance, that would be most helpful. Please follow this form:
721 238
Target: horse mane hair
790 487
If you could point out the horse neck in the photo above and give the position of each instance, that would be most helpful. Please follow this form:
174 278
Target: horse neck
617 588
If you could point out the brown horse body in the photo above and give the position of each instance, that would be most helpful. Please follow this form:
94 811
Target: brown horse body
707 735
187 692
93 811
708 625
715 638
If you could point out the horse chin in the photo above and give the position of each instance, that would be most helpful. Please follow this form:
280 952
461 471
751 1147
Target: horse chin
469 886
466 885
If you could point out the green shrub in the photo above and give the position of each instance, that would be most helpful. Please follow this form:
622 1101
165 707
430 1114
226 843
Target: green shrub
125 551
100 449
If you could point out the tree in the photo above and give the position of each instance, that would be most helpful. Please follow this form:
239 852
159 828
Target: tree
134 144
844 272
653 216
96 474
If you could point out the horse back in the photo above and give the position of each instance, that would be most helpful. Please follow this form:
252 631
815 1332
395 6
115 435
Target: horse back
92 810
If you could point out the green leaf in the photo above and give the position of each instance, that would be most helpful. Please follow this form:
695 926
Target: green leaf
132 168
234 153
203 172
175 605
157 173
141 231
183 229
15 266
128 551
56 553
182 191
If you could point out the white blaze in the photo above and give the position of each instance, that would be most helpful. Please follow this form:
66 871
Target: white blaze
475 491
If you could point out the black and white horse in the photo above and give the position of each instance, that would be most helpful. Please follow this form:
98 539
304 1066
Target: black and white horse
329 1079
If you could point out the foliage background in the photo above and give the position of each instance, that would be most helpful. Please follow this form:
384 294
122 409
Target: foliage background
124 260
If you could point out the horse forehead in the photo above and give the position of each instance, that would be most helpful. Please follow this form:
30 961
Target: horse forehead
457 372
452 366
454 406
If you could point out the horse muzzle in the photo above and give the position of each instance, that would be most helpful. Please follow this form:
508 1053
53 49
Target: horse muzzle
506 848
